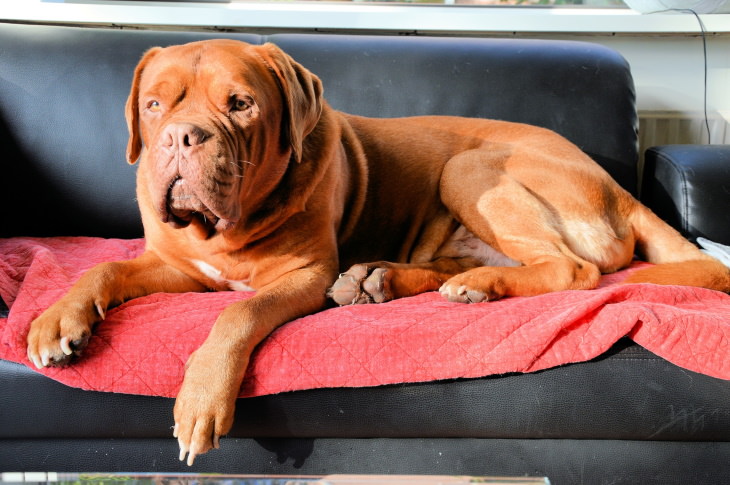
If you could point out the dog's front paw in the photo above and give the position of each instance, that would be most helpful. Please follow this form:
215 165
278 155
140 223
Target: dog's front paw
363 283
205 405
61 332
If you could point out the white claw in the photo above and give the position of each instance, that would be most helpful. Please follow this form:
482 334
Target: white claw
191 458
32 358
183 450
100 310
65 346
45 360
36 362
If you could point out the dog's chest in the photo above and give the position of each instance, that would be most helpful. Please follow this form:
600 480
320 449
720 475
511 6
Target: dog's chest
217 276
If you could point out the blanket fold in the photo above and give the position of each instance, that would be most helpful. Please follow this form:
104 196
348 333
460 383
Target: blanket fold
142 346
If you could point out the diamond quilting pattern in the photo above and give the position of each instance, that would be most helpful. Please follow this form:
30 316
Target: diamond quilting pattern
142 346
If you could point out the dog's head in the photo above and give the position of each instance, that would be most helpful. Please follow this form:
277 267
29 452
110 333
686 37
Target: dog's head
217 119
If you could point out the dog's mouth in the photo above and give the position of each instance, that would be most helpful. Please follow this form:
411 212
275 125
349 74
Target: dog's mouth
183 206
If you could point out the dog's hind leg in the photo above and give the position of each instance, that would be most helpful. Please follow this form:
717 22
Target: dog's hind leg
678 262
515 221
544 274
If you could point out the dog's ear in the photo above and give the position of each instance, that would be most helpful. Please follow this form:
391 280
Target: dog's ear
302 92
134 145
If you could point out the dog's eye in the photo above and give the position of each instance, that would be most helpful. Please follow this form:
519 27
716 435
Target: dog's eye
240 104
154 106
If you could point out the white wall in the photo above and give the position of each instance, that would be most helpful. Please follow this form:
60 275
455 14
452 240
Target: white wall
669 74
669 71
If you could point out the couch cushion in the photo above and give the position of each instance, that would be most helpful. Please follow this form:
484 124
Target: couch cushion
627 394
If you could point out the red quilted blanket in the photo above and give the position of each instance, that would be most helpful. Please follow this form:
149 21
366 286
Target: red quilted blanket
142 346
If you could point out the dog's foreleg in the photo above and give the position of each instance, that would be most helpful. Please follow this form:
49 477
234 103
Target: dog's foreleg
64 329
205 405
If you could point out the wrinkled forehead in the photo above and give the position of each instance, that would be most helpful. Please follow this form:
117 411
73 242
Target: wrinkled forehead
218 64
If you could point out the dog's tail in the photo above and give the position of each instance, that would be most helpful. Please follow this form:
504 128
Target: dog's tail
677 261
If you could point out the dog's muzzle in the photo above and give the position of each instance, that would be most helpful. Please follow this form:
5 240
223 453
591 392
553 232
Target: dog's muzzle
187 188
183 205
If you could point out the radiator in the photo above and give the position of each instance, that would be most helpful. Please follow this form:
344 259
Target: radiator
673 127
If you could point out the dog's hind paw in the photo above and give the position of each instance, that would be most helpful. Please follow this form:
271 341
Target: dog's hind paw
462 294
360 284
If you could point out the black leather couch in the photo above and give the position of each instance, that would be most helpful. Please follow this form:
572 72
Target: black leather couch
626 417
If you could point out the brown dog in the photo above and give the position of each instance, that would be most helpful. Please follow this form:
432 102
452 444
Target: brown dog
249 180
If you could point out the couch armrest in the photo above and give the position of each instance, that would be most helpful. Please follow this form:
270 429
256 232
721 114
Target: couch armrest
689 187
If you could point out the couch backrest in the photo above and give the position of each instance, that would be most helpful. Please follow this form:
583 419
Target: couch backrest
63 89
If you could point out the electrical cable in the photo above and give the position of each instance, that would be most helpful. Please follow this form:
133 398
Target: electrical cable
703 32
